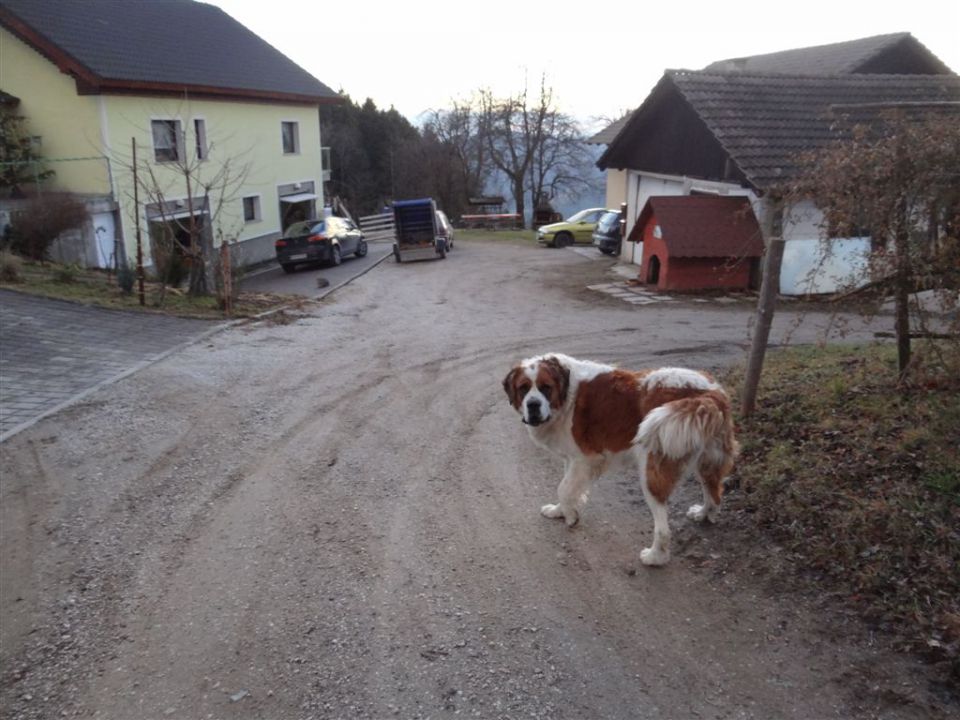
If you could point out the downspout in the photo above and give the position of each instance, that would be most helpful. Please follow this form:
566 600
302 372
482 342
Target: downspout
119 246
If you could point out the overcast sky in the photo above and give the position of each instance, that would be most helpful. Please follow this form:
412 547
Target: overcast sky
601 57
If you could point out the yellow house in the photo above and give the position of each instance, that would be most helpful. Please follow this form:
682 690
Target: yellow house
225 128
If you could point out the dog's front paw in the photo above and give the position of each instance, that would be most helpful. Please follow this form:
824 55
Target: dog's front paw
652 556
570 516
551 511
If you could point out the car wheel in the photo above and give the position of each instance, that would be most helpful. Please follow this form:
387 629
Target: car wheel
288 267
335 257
442 250
562 240
361 249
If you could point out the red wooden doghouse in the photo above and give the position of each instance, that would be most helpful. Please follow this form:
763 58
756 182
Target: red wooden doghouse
698 242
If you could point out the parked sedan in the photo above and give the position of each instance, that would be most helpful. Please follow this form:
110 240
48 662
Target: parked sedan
324 241
444 228
577 228
607 235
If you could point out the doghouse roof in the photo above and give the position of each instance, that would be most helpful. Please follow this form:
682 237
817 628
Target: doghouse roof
703 226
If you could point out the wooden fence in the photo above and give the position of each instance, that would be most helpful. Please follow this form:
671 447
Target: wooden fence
489 221
378 228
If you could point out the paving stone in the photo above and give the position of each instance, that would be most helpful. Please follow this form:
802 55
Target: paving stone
51 351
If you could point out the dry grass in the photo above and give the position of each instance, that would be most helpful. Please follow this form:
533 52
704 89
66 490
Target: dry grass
96 287
858 480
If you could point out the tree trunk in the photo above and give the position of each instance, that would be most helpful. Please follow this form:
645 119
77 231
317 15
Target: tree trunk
518 197
769 287
902 302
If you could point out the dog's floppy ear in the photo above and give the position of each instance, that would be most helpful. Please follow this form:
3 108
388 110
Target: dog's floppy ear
561 380
510 386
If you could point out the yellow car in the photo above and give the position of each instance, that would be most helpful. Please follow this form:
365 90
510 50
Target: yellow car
577 228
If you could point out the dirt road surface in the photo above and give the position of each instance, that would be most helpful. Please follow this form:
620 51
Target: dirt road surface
338 518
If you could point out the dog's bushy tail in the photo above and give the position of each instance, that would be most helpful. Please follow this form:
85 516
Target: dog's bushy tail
682 428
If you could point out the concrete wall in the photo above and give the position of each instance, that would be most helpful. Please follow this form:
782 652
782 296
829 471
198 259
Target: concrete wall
814 264
616 192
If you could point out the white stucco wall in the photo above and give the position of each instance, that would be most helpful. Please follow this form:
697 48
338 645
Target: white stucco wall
814 265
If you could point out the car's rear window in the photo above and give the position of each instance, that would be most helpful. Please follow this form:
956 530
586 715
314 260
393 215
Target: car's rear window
609 220
304 227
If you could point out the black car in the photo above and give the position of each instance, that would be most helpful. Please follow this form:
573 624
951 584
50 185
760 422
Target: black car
606 236
319 241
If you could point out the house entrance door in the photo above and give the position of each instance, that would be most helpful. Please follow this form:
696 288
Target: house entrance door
104 239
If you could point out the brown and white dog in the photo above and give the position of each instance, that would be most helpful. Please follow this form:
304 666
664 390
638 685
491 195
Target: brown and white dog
676 422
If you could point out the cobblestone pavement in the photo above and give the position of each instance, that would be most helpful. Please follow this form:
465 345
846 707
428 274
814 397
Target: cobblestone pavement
640 295
52 351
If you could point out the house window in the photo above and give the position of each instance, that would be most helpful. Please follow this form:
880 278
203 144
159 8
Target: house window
166 140
290 131
200 137
251 208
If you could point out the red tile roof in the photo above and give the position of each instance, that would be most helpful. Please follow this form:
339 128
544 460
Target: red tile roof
703 226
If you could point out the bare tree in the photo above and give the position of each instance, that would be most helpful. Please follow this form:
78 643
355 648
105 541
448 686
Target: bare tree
514 131
535 146
195 169
561 163
895 175
463 130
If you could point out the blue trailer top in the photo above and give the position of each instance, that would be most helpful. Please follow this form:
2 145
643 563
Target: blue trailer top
412 203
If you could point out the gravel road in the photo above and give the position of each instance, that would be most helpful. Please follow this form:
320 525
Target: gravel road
336 516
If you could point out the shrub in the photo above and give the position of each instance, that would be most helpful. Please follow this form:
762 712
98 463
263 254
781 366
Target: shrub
126 277
11 267
66 273
173 269
38 224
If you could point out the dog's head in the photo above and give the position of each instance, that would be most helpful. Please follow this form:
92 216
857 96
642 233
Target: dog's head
537 388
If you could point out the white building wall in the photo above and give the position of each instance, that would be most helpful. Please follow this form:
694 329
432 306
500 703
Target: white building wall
811 264
814 265
642 186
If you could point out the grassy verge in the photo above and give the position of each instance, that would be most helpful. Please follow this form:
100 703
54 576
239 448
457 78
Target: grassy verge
857 480
96 287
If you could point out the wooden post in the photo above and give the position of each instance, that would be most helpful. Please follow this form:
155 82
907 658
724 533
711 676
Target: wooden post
226 273
136 220
769 288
